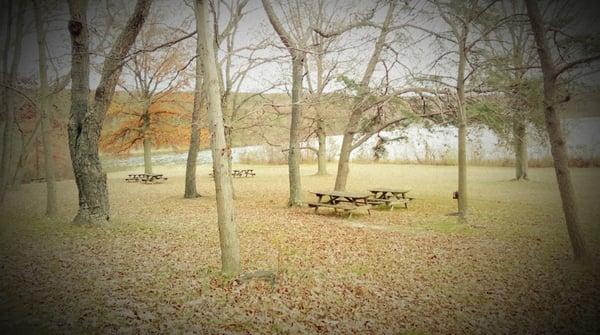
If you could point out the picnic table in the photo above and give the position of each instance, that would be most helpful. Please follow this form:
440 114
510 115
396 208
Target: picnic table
146 178
238 173
346 201
389 197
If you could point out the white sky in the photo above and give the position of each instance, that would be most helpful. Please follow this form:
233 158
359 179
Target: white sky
254 27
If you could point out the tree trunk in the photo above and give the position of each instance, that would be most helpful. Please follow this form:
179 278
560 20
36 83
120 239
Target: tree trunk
147 155
229 143
85 123
10 128
462 169
521 154
558 145
322 149
191 191
51 208
343 163
147 143
462 132
294 147
354 120
230 248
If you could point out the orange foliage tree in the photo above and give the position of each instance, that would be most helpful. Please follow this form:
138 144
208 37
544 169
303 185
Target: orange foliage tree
152 112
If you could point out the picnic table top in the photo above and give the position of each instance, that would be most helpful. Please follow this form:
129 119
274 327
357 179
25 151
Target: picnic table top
146 174
388 190
342 194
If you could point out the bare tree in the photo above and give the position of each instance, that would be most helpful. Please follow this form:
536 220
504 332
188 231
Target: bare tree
230 249
296 46
552 70
86 119
322 66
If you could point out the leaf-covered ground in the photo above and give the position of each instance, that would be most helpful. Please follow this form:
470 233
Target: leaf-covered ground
155 267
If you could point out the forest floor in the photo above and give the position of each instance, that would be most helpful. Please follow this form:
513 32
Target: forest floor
155 267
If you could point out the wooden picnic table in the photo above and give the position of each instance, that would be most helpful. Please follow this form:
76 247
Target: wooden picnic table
346 201
145 177
389 196
238 173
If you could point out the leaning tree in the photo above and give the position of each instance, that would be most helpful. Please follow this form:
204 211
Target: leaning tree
569 53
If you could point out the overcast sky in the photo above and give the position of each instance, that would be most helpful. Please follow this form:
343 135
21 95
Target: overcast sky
254 27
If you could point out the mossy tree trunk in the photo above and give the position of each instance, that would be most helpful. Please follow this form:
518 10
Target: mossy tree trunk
85 121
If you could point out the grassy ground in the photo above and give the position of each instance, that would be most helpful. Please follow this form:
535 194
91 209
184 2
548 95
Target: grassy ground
155 267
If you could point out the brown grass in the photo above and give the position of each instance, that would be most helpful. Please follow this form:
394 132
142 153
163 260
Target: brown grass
154 268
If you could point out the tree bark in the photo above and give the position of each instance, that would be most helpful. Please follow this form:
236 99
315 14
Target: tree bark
147 142
85 123
191 191
10 127
7 30
521 153
462 131
147 155
558 145
230 248
294 146
322 149
344 162
51 207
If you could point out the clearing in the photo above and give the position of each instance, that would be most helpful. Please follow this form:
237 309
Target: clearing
155 267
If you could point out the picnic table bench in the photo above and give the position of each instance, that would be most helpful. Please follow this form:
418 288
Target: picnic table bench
389 197
345 201
238 173
145 178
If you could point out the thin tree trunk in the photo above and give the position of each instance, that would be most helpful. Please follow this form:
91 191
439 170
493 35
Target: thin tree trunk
85 123
558 144
6 126
230 248
322 149
147 143
190 167
294 147
10 128
521 154
462 132
51 208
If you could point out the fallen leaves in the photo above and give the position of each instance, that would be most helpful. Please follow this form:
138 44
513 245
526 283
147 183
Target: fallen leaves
155 268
